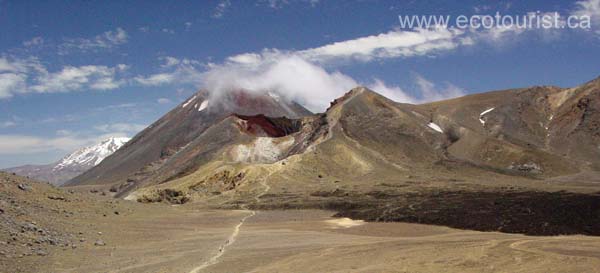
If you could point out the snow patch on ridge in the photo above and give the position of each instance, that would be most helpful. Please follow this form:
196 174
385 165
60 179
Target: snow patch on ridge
203 105
483 113
435 127
188 102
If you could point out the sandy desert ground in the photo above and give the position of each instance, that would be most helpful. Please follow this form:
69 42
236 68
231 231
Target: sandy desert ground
312 241
158 237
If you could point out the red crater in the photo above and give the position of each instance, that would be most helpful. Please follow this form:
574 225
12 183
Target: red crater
272 127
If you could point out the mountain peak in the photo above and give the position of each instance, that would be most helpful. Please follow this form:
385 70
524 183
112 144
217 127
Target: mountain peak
354 92
116 140
92 155
73 164
182 127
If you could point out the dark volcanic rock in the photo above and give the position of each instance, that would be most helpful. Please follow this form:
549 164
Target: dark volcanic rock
531 213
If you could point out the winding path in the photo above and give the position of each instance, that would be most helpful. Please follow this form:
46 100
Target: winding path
236 230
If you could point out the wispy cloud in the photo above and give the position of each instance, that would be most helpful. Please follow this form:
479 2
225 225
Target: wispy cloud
156 79
31 76
589 8
7 124
308 76
221 8
11 83
303 81
116 106
174 70
393 44
106 40
65 140
277 4
303 77
168 31
72 78
163 101
129 128
35 41
25 144
429 91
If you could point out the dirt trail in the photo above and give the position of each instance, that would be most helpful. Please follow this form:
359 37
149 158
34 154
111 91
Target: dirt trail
236 230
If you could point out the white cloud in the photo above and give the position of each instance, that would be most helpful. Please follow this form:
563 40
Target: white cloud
30 76
394 93
393 44
277 4
16 65
289 74
14 75
221 8
313 2
130 128
500 34
299 75
163 101
106 83
23 144
35 41
106 40
246 58
430 92
481 8
180 71
589 8
11 83
64 132
156 79
7 124
168 31
72 78
65 142
303 81
116 106
170 61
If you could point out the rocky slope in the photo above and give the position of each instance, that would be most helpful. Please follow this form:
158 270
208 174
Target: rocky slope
364 145
72 165
37 219
175 132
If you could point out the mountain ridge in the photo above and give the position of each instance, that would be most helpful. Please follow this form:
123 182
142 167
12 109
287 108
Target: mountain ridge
175 130
73 164
511 137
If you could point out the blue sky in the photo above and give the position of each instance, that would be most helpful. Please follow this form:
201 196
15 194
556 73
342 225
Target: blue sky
74 72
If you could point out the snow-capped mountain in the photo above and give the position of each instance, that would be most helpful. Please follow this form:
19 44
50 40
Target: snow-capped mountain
73 164
91 155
